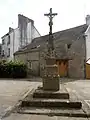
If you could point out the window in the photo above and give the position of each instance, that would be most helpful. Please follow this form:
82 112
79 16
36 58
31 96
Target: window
8 52
3 53
8 40
3 42
29 64
68 46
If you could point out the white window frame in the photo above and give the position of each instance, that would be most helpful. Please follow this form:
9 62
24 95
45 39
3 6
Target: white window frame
29 64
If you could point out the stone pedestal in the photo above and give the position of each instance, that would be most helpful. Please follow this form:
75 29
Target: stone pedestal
50 83
50 78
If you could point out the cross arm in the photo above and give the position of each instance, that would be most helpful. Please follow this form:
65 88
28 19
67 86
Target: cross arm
47 14
54 14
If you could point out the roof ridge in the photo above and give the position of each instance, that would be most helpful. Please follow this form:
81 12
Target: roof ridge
62 30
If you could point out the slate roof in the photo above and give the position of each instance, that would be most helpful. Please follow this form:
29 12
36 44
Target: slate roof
71 33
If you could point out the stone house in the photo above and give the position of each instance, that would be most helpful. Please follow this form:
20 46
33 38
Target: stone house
31 58
19 37
70 48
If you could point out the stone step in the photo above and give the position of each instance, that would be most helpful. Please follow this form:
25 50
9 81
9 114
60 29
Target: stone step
51 95
61 94
52 112
51 103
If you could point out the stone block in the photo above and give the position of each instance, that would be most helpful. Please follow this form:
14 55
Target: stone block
50 95
50 61
47 103
51 70
51 83
77 114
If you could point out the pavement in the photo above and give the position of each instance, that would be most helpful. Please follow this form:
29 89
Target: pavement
12 91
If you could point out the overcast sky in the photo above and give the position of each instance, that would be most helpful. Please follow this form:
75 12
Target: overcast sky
70 13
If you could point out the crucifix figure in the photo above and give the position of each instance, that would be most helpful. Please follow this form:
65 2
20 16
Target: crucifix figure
50 41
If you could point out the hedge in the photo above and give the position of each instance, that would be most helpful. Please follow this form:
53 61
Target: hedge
12 69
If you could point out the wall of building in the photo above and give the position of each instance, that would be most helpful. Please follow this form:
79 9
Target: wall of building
87 34
13 45
32 61
10 46
14 42
76 67
75 54
35 33
21 57
0 51
16 38
4 46
20 36
22 25
27 30
88 19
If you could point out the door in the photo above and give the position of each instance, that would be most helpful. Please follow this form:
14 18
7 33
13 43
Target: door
62 68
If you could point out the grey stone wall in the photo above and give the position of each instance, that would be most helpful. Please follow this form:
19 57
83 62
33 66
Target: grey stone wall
32 61
75 53
33 57
20 57
76 67
35 68
22 24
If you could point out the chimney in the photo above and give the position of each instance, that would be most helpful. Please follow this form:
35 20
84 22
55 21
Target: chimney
88 19
10 29
24 20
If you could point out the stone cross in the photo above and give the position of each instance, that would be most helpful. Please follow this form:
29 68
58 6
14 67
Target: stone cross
50 41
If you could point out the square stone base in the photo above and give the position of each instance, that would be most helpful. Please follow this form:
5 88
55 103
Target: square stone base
61 94
51 84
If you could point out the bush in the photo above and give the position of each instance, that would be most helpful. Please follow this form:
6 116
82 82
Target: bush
13 69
